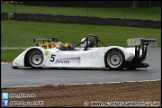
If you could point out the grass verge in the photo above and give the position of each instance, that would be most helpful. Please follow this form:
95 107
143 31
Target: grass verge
21 33
9 55
153 13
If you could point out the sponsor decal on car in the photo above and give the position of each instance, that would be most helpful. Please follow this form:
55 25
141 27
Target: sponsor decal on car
46 52
62 62
133 41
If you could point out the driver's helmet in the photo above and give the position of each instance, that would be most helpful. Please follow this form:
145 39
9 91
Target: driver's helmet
83 42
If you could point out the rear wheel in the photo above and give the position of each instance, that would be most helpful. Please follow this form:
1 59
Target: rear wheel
35 58
115 59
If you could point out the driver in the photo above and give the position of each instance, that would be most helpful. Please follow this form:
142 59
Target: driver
84 44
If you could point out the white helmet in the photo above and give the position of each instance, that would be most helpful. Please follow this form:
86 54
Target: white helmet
84 42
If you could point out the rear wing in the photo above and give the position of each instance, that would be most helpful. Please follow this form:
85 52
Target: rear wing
142 41
45 39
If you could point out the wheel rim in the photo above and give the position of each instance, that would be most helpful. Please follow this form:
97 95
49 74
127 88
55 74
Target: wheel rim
115 60
36 58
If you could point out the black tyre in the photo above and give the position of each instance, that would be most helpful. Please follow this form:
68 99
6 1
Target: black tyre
35 58
14 67
114 59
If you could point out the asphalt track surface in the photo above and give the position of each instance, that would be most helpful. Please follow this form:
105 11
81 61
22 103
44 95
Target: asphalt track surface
39 77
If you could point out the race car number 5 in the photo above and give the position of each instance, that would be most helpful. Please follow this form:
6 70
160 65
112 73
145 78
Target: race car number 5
52 58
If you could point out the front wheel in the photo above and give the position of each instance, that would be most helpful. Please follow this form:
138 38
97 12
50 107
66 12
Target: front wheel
114 59
35 58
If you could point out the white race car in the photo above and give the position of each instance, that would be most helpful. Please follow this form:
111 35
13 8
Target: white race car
54 54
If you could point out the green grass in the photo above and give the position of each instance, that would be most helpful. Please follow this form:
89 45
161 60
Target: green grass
153 13
9 55
21 34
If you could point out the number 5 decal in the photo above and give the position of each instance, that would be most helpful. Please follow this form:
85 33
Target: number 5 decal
52 58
